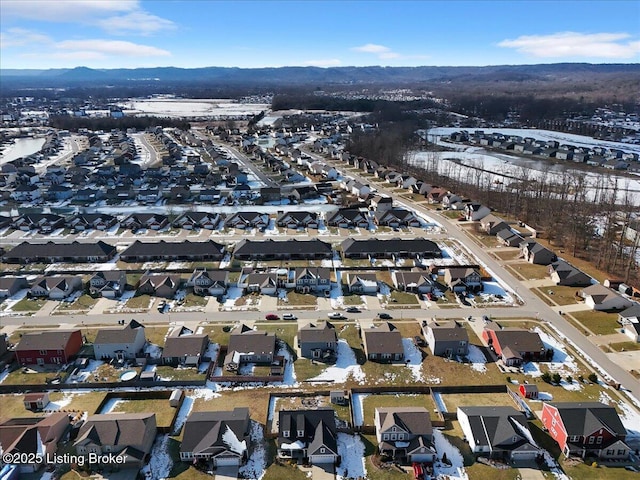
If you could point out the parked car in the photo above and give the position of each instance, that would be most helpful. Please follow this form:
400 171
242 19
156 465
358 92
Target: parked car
385 316
272 316
336 316
353 310
289 316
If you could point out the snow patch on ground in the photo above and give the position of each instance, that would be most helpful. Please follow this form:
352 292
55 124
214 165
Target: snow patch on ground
351 449
254 469
437 397
60 404
160 463
630 418
561 360
110 405
477 359
183 414
206 393
289 370
4 374
153 350
357 400
346 366
456 469
414 359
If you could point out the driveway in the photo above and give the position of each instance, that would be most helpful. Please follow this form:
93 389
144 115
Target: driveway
101 305
48 308
323 472
226 473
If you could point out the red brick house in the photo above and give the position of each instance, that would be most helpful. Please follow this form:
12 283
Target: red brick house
586 429
52 347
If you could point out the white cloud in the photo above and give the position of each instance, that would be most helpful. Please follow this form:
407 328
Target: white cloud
20 37
372 48
574 44
328 62
116 17
108 47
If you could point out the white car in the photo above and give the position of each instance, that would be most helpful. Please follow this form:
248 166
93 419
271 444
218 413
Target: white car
289 316
335 316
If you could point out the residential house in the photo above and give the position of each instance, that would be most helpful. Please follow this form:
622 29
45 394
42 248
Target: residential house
34 437
463 279
413 282
562 273
140 221
127 436
284 250
392 248
447 339
209 282
632 330
265 283
50 347
533 252
349 218
601 298
195 220
91 221
308 436
173 251
185 348
362 283
159 285
249 346
296 220
383 343
247 220
11 285
476 211
509 238
122 343
436 194
492 224
108 283
497 432
586 429
41 222
396 217
404 434
56 287
312 279
380 203
529 390
515 346
221 437
318 341
53 252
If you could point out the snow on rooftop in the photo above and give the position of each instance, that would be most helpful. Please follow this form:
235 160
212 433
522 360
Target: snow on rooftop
297 445
231 440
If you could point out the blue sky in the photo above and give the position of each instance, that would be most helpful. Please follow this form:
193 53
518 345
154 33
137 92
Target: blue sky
141 33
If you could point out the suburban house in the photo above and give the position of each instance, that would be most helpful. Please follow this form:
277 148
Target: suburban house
91 221
312 279
124 342
515 346
221 437
108 283
129 436
380 203
383 343
173 251
308 436
35 401
247 220
509 238
601 298
265 283
249 346
492 224
53 252
463 279
476 211
195 220
448 339
140 221
404 434
185 348
42 222
11 285
393 248
630 321
362 283
284 250
396 217
586 429
497 432
56 287
563 273
349 218
533 252
48 347
413 282
208 282
32 436
318 341
159 285
296 220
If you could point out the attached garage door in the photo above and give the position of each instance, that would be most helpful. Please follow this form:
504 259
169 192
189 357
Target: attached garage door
316 459
226 461
529 455
422 457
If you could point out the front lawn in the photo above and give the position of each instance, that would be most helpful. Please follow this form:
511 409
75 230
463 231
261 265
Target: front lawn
193 300
600 323
403 298
562 295
299 299
529 271
29 304
140 302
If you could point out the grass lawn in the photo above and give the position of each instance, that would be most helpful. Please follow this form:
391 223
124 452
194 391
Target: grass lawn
479 471
193 300
507 254
29 304
562 295
625 346
587 472
172 373
12 405
490 241
84 302
451 214
353 300
217 334
108 373
305 369
164 413
257 402
600 323
403 298
453 401
370 403
284 332
17 377
299 299
280 472
529 271
140 301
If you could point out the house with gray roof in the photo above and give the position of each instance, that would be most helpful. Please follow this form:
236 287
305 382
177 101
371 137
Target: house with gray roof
249 346
362 283
209 282
497 432
563 273
392 248
349 218
601 298
108 283
52 252
308 436
383 343
492 224
55 287
463 279
404 434
447 339
414 282
220 437
282 250
159 285
173 251
318 341
183 347
312 279
124 342
11 285
396 217
509 238
128 436
533 252
515 346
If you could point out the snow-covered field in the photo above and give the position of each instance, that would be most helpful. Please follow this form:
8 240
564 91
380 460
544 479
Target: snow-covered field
562 363
167 107
346 366
351 449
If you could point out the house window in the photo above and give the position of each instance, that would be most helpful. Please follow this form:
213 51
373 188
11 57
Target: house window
59 352
393 429
621 452
463 343
385 436
591 440
386 355
599 440
393 436
301 433
610 452
322 450
43 352
400 436
285 433
574 438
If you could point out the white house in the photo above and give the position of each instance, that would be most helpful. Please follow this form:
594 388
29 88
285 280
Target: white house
119 342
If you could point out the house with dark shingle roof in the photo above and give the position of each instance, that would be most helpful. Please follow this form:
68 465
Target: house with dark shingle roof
128 436
447 339
396 217
414 282
562 273
318 341
11 285
151 221
183 347
296 220
515 346
308 435
282 250
208 282
124 342
220 437
249 346
533 252
52 252
497 432
349 218
49 347
392 248
383 343
159 285
194 220
108 283
586 429
56 287
404 434
173 251
247 220
463 279
312 279
601 298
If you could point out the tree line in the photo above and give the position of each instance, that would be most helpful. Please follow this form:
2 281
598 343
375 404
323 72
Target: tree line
67 122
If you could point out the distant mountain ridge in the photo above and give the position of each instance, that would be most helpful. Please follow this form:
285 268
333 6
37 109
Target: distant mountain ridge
304 75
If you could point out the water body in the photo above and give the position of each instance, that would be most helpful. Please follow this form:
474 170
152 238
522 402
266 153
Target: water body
21 147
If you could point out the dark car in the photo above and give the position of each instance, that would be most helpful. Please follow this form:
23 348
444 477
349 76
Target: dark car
352 310
272 316
385 316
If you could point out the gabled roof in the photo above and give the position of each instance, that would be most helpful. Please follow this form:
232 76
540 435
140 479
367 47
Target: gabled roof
207 432
124 334
173 249
272 247
115 429
311 423
46 340
518 340
384 338
414 420
497 427
584 418
321 331
182 342
256 341
376 246
56 249
449 331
